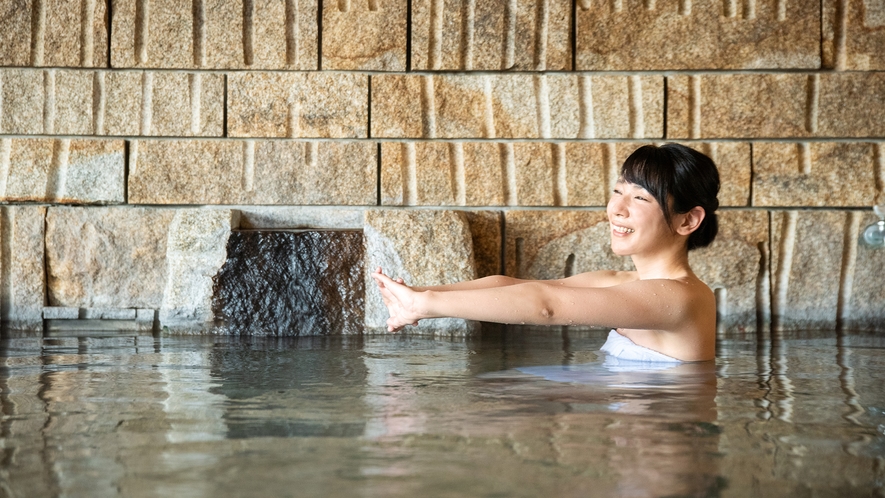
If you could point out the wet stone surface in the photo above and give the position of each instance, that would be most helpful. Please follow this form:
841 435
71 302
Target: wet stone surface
291 283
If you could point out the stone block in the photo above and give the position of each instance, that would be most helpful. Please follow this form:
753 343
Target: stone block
215 34
298 105
517 106
22 276
486 230
807 249
292 283
852 35
365 35
775 105
424 248
15 31
735 266
301 217
183 104
849 105
108 314
252 172
863 287
814 174
61 171
55 33
70 98
21 101
120 112
195 251
107 257
552 244
635 35
60 313
733 162
492 35
493 174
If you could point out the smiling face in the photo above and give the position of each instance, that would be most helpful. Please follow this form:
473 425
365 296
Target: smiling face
637 221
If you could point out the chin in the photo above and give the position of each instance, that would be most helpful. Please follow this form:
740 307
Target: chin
619 251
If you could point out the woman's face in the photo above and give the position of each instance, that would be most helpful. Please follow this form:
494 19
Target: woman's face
637 221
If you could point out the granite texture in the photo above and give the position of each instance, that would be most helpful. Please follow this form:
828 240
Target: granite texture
62 171
785 105
517 106
67 34
106 257
865 298
297 105
216 34
852 35
634 35
300 217
807 249
735 266
21 101
814 174
487 233
365 34
553 244
252 172
451 35
423 248
23 289
196 249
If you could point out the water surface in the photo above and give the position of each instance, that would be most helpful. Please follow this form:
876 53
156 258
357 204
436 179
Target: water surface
515 412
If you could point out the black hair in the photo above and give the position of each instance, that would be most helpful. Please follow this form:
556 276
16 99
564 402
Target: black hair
679 178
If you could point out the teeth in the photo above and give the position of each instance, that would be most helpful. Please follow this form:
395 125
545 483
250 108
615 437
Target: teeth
623 229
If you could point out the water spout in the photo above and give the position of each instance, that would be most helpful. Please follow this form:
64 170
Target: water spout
874 235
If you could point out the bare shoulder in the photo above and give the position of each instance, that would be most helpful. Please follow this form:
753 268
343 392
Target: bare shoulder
602 278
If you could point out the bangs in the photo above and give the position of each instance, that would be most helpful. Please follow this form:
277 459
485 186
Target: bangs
648 167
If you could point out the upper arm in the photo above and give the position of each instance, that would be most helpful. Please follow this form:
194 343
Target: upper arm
602 278
639 304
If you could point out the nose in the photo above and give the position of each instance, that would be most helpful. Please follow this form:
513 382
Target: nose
616 206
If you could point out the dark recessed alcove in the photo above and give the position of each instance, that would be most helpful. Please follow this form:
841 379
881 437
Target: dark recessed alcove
291 283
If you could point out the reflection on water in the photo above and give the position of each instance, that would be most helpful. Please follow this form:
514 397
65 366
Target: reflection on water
515 412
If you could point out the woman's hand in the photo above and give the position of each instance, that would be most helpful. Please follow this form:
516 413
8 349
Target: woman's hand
399 299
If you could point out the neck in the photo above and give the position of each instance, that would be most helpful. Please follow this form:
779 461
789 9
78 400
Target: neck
669 263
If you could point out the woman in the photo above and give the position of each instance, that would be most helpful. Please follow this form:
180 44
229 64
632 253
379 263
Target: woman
663 205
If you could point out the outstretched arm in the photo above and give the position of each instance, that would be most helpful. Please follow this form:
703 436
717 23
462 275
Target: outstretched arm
657 304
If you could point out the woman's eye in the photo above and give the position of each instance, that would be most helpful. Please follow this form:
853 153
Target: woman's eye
616 191
641 198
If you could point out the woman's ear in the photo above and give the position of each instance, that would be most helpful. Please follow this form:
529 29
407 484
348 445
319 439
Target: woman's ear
690 221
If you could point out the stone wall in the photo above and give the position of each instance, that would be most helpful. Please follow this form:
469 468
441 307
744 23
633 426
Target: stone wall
465 138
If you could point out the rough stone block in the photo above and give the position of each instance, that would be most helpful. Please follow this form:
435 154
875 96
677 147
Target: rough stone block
637 35
863 287
301 217
55 33
807 248
71 98
733 162
21 101
15 31
292 283
775 105
450 35
62 171
517 106
183 104
423 248
365 34
109 314
195 251
554 244
739 105
735 266
814 174
298 105
60 313
22 276
486 230
850 105
492 174
215 34
123 100
852 35
109 257
252 172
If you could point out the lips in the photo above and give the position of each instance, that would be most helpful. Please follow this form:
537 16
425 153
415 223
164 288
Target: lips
621 229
